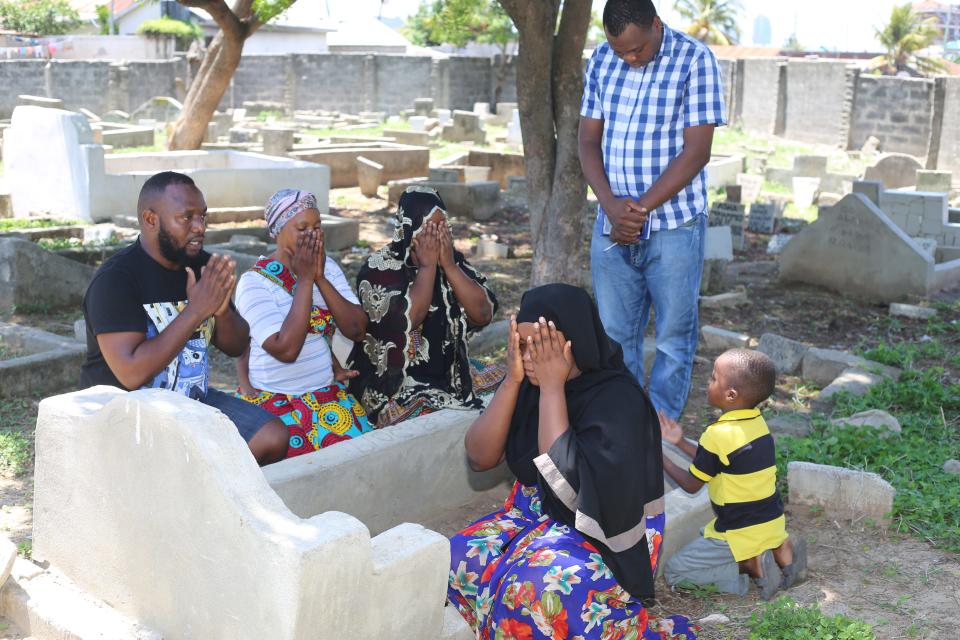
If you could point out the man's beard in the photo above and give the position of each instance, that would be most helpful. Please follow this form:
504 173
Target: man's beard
175 254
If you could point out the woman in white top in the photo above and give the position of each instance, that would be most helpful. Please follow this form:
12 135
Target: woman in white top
291 370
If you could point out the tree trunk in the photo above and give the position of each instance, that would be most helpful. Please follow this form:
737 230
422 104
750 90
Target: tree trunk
216 70
549 89
206 91
502 68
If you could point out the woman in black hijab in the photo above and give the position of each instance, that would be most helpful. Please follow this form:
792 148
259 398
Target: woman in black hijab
574 549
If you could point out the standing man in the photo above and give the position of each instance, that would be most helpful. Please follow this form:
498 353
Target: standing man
154 308
651 100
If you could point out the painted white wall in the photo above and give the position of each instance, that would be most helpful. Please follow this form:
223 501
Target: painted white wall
266 41
131 47
137 15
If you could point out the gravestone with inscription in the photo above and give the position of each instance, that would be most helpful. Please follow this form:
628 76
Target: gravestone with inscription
729 214
858 250
751 185
763 217
895 170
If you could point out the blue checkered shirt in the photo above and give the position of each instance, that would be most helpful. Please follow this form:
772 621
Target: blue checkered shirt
645 111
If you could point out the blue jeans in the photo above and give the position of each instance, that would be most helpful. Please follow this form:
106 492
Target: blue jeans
663 272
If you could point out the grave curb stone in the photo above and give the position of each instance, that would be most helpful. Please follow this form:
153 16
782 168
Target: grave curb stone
717 339
844 492
787 354
882 422
823 366
790 424
911 311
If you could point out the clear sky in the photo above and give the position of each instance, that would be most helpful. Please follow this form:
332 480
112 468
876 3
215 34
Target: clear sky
846 25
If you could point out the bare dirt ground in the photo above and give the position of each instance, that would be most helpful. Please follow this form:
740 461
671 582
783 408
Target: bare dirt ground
905 587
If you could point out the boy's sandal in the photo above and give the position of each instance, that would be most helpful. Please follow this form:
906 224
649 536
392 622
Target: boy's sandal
796 571
770 582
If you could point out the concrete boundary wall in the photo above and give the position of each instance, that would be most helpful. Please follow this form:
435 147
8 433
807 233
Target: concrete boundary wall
834 102
152 503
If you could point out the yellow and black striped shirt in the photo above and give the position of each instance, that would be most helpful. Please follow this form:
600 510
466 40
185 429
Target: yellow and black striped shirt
736 457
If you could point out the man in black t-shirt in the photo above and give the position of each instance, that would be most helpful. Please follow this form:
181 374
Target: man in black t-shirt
154 308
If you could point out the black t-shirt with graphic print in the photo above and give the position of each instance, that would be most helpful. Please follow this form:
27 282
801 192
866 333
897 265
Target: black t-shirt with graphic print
132 292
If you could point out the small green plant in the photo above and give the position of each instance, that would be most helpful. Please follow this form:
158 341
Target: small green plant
14 452
784 619
55 244
905 354
39 17
25 549
263 116
14 224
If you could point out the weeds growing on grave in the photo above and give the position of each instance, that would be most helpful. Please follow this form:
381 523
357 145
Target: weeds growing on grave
14 224
927 404
784 618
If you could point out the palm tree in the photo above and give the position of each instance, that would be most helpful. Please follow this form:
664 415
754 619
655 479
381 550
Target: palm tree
904 36
711 21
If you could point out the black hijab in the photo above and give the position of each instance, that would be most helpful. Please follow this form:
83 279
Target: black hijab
598 476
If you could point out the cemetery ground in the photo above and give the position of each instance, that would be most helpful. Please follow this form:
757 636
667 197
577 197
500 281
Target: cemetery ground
903 579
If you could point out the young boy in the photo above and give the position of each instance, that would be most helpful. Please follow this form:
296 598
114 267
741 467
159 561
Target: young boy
736 457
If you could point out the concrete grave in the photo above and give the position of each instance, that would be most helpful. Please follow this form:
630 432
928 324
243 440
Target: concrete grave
763 217
729 214
921 214
277 141
911 311
444 174
718 244
857 249
751 185
717 339
805 191
787 354
43 363
894 170
855 382
423 106
399 161
159 108
251 569
840 492
403 136
479 201
369 176
869 188
466 127
723 170
514 130
39 101
883 422
115 116
93 186
123 135
503 166
418 123
23 264
934 181
822 366
722 300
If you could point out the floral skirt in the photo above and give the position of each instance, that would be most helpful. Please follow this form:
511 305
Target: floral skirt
485 378
315 419
519 574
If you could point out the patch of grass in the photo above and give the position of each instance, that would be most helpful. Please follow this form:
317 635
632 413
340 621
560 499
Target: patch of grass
784 619
14 224
25 549
14 452
31 309
905 354
927 404
263 116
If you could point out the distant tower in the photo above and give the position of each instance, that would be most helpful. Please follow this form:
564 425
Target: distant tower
762 31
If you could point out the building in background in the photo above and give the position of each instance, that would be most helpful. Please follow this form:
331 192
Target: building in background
947 17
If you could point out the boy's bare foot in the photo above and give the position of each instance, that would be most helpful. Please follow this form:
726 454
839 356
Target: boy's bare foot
796 571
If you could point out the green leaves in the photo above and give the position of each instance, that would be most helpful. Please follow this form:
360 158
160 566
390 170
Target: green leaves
785 619
267 10
38 17
169 27
458 22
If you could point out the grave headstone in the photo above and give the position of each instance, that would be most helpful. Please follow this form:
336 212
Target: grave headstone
466 127
444 116
482 109
871 145
805 191
729 214
763 217
751 186
777 242
116 116
239 115
277 141
159 108
514 133
895 170
870 188
418 123
370 176
734 192
423 106
443 174
718 244
934 181
810 166
857 250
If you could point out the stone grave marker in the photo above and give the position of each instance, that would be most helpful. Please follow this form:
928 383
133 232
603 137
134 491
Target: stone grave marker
39 101
423 106
870 188
734 192
729 214
934 181
763 217
369 175
895 170
917 213
751 186
858 250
